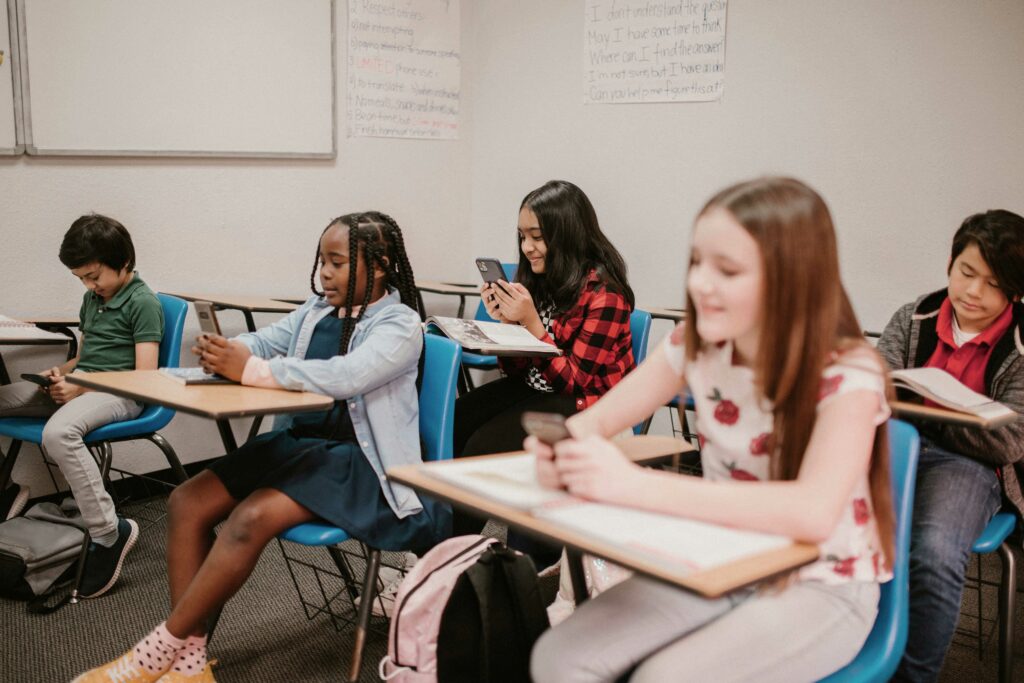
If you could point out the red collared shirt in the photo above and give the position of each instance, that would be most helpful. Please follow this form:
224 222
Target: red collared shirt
967 363
596 344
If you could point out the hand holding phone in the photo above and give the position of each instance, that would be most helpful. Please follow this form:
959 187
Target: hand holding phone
42 380
491 271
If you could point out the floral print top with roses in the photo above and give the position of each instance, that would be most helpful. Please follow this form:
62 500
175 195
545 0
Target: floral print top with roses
734 426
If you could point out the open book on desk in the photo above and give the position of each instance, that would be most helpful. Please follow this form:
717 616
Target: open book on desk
13 330
194 376
942 388
716 558
492 338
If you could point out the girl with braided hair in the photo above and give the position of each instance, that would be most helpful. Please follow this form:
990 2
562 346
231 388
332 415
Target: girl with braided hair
358 340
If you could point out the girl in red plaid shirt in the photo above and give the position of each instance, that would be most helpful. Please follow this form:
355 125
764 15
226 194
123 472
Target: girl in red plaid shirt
570 291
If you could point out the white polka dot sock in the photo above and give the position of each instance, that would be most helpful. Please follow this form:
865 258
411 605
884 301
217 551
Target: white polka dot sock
156 652
191 659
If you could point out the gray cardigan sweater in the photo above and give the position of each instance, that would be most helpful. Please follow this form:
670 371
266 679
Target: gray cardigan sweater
910 339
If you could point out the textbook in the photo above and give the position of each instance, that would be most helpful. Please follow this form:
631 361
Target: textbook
194 376
492 338
12 329
686 545
942 388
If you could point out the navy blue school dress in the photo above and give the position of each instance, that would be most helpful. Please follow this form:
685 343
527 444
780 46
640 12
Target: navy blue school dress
318 463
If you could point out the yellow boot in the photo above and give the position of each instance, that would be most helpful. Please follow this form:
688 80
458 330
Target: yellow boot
123 669
204 676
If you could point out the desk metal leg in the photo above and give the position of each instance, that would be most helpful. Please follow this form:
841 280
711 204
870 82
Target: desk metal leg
7 468
579 581
227 436
250 322
462 305
4 377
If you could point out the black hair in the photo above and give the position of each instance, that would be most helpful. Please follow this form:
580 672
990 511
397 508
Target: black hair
575 246
999 235
376 238
96 238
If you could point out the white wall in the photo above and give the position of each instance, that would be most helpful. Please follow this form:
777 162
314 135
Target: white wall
906 116
245 227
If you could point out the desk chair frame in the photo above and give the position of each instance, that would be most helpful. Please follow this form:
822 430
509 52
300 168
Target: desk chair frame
437 415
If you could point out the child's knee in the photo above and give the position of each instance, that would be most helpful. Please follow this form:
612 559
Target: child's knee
246 524
59 438
552 660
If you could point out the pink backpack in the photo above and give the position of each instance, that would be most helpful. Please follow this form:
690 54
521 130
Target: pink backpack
470 610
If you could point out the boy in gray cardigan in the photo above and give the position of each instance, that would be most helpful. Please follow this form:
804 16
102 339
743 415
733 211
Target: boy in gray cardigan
972 330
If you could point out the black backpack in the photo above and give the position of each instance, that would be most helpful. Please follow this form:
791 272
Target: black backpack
468 612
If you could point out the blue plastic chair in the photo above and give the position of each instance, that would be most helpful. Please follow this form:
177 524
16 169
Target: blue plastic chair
477 361
437 416
640 330
145 426
993 539
881 653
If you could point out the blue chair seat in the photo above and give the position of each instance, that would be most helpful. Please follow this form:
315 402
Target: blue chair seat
315 533
997 531
479 362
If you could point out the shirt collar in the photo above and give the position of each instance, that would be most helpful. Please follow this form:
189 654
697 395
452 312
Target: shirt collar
989 336
122 294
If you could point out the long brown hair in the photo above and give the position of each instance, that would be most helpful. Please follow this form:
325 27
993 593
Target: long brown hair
806 318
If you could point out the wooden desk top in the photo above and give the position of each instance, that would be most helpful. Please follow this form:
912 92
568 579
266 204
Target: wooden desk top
676 314
710 583
216 401
923 412
253 304
454 288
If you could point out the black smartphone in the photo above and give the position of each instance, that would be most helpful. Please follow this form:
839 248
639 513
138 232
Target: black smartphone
207 318
548 427
41 380
491 271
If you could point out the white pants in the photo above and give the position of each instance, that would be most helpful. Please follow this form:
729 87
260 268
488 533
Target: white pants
63 442
801 633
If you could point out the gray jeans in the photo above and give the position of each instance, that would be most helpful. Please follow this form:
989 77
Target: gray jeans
62 442
802 633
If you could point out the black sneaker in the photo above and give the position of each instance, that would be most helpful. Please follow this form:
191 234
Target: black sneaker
103 565
12 501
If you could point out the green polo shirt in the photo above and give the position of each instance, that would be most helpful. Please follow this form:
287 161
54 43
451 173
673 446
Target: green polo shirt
111 329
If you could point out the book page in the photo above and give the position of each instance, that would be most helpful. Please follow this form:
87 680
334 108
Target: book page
11 329
686 544
940 386
476 334
512 335
511 480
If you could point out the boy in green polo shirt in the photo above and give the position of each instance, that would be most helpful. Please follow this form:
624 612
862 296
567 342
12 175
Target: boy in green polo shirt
122 323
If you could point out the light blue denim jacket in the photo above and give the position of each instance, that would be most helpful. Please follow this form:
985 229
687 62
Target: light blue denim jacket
377 376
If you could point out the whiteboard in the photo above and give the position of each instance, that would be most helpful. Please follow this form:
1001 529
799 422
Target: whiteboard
250 78
9 82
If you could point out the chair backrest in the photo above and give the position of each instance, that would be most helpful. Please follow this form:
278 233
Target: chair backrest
437 395
510 276
174 327
640 329
881 653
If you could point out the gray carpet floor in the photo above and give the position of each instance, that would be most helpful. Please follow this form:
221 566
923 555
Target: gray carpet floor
263 634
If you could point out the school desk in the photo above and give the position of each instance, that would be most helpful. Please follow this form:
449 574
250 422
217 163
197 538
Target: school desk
918 411
218 402
246 304
13 333
458 289
710 583
675 314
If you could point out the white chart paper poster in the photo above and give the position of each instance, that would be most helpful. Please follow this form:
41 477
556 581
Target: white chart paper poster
404 68
653 51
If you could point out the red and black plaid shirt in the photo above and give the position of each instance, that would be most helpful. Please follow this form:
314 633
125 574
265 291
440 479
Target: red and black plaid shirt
596 344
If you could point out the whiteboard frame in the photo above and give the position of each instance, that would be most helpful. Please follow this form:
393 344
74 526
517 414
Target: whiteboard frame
15 61
25 111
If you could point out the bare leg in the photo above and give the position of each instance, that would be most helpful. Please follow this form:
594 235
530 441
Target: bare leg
194 509
254 522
